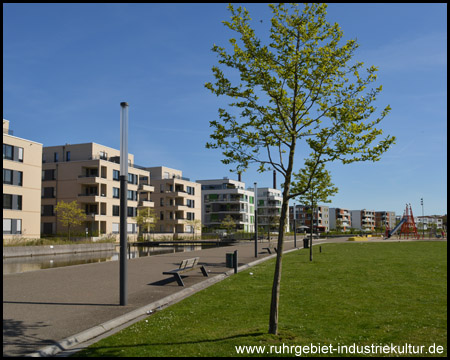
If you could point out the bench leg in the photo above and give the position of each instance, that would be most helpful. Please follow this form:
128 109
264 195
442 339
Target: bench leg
204 271
179 280
275 250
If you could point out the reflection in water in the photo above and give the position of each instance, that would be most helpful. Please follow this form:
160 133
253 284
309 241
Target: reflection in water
33 263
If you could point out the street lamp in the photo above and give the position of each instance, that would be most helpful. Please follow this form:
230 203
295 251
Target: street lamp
295 229
256 222
123 200
423 220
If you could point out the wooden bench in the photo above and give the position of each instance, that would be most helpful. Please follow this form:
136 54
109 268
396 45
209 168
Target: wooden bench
269 249
185 266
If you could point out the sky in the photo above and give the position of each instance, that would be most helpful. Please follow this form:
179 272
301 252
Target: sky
67 68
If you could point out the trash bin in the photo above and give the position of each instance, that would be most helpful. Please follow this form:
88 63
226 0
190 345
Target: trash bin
229 260
305 243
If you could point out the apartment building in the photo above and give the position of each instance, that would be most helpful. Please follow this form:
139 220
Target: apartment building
425 222
89 174
177 201
321 218
340 218
363 219
22 166
269 202
222 197
383 218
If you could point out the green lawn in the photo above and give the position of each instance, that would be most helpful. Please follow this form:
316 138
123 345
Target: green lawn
352 293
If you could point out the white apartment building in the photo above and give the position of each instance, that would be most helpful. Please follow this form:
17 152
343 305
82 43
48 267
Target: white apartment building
222 197
269 202
428 221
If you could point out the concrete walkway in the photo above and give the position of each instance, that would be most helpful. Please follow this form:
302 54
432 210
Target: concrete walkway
50 310
41 308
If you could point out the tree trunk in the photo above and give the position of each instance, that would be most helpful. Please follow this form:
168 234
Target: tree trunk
273 320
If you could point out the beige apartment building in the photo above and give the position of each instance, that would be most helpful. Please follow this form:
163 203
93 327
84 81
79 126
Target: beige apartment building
89 174
177 202
22 166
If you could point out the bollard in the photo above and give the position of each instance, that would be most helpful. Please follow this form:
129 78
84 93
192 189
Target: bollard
235 261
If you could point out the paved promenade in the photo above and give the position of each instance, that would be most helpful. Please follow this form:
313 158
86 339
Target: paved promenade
44 307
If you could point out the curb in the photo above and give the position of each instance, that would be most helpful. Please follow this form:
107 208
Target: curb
89 334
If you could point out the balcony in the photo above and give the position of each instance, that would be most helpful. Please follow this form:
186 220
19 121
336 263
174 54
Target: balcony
89 198
146 203
146 188
88 180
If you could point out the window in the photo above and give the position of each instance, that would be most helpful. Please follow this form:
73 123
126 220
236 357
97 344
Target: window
115 228
55 157
132 195
131 228
190 203
103 155
161 201
116 193
7 152
190 216
68 156
116 210
12 226
47 210
47 228
116 175
132 179
48 174
7 176
190 190
12 202
161 215
14 153
48 192
131 211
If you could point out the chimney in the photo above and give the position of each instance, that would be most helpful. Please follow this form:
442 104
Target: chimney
239 176
274 179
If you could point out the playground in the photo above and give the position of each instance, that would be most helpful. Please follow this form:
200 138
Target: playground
407 229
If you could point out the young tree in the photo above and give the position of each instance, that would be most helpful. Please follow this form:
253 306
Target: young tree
320 190
228 223
195 224
70 214
302 92
146 220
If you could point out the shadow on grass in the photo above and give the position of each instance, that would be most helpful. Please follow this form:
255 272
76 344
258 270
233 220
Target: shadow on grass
114 351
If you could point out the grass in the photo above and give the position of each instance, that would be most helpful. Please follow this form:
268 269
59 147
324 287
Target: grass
352 293
54 241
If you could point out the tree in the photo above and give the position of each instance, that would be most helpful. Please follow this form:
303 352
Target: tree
302 91
195 225
320 190
146 220
228 223
69 214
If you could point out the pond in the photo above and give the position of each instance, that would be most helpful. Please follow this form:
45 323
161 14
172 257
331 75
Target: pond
32 263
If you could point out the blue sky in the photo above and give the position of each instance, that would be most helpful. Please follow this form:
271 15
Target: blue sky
67 67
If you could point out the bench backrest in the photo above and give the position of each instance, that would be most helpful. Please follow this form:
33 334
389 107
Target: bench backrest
188 263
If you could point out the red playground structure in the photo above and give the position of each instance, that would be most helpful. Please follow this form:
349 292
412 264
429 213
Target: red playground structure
407 226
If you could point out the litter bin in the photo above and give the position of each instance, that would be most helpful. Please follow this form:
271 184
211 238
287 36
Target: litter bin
305 243
229 260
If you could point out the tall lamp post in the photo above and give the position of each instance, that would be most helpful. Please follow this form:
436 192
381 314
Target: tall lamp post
256 223
295 230
423 220
123 200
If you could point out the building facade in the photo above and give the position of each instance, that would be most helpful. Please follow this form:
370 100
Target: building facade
321 222
177 202
269 202
340 218
383 218
363 219
89 173
22 166
223 197
426 222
